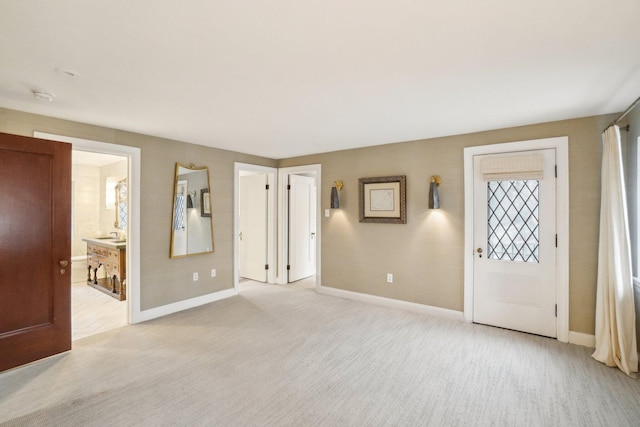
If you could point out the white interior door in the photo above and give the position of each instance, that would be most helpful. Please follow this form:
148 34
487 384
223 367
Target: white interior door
302 238
313 215
514 277
253 227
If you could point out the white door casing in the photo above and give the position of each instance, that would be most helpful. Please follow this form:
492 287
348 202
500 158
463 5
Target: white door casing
560 145
253 216
515 259
301 227
313 213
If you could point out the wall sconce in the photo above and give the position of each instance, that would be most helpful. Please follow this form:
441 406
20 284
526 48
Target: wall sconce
190 199
335 201
434 197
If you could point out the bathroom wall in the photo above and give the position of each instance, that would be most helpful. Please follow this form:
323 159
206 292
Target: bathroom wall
86 206
91 217
117 170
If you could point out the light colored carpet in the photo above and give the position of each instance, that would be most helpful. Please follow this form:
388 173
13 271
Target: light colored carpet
285 355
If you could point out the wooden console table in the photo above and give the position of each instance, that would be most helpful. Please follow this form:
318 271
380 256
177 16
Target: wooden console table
110 254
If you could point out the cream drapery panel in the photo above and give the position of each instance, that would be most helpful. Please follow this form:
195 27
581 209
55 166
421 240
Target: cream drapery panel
615 313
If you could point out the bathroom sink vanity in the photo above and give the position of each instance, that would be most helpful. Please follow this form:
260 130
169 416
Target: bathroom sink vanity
110 254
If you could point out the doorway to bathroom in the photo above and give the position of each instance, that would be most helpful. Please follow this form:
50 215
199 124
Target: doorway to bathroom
98 242
127 274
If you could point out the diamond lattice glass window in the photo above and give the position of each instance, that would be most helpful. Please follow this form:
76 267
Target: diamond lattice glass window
512 219
122 214
178 223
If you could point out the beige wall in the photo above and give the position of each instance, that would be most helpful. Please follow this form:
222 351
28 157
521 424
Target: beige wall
162 280
426 255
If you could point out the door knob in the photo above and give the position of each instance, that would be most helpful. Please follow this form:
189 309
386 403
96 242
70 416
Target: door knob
479 250
63 263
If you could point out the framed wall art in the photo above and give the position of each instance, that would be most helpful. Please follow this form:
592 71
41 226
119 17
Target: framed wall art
383 199
205 203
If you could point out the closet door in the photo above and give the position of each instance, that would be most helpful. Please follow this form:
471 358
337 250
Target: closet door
302 227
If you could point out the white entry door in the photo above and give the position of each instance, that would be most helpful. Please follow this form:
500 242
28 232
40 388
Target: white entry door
514 283
252 201
302 227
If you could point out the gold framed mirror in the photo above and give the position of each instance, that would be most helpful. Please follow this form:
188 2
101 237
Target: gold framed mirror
191 226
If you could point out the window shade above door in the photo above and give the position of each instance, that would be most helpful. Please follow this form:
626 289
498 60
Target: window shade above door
511 168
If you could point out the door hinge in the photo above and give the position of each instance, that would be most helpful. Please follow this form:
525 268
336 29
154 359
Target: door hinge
288 267
556 310
288 186
266 186
556 240
556 171
266 266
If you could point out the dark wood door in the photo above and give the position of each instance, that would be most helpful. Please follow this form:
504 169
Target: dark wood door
35 249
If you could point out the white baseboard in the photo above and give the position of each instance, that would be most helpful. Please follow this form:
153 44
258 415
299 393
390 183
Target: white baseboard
578 338
585 340
393 303
588 340
185 305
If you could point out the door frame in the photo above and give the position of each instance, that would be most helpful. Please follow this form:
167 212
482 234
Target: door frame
283 219
133 209
271 223
561 146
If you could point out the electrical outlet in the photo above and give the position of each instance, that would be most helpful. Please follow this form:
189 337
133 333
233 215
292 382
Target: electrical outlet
195 277
327 213
389 278
213 272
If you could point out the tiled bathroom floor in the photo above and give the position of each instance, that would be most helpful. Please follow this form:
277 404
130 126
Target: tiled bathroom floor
92 311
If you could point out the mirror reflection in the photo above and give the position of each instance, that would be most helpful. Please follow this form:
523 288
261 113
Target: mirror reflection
121 205
192 226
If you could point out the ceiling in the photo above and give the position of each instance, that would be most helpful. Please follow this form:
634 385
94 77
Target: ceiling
88 158
293 77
